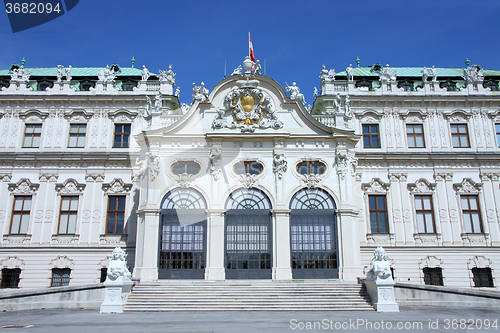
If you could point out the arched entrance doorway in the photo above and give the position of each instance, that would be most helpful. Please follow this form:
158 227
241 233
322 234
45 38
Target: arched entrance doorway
313 235
183 230
248 235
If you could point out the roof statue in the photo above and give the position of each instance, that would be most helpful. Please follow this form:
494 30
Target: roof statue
337 104
167 76
315 92
106 75
474 74
177 92
295 92
200 93
158 102
20 75
350 73
68 73
347 107
327 76
258 67
425 73
59 73
149 108
237 70
433 73
387 75
145 73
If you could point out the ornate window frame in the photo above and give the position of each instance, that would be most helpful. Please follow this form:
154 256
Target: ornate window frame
13 262
24 187
424 187
480 261
312 180
116 187
70 187
459 117
184 180
431 261
377 187
60 262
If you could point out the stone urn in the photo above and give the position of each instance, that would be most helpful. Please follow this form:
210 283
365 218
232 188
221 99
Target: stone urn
247 64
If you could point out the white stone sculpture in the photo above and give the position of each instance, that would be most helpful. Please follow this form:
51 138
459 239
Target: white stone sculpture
424 74
237 70
387 75
258 67
200 93
149 108
59 73
337 104
295 92
215 160
379 283
118 283
177 92
347 106
474 74
280 165
106 75
167 76
433 73
350 73
145 73
158 102
68 74
315 92
151 165
20 75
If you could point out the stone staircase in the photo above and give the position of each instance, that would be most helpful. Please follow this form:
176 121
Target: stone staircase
248 295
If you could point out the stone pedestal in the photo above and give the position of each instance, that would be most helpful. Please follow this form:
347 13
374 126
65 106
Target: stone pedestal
382 294
116 295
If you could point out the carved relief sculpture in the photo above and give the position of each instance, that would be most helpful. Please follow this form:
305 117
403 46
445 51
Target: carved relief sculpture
280 165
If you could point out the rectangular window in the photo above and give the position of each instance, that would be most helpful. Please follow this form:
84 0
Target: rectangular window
371 137
433 276
471 213
10 277
116 214
460 136
60 277
122 135
378 213
20 215
67 215
77 135
425 214
32 135
497 130
482 277
415 133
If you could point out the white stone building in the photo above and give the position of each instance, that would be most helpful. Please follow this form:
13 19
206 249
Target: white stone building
246 182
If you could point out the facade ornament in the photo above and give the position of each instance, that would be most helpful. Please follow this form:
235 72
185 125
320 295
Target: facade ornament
158 102
20 75
145 73
337 103
59 73
215 160
149 109
258 67
280 165
474 74
468 186
387 75
62 262
421 186
479 261
341 161
248 180
48 177
23 186
184 180
295 92
167 76
68 74
200 93
106 75
151 164
347 107
247 107
311 180
70 186
376 186
237 70
5 176
177 92
350 73
116 186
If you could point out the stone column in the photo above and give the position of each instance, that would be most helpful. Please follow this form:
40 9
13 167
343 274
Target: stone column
215 245
147 244
350 266
281 243
489 203
442 211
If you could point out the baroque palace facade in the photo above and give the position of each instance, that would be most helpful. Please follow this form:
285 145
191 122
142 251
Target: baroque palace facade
247 182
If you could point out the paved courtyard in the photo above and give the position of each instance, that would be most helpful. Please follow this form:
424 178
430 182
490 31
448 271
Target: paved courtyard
410 319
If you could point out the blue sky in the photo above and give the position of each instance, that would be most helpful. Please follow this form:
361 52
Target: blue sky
294 38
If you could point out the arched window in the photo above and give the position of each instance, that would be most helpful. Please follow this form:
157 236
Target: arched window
248 199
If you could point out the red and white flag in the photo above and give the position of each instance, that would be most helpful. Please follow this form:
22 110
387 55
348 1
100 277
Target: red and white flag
250 47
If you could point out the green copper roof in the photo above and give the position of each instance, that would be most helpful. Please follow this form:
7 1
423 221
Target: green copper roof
417 72
78 71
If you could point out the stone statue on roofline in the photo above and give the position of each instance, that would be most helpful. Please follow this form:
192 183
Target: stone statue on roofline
295 92
106 75
315 92
433 73
200 93
258 67
158 102
145 73
350 73
424 74
20 75
237 70
474 74
68 74
387 75
59 73
167 76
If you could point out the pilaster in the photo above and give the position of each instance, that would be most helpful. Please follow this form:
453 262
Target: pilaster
349 246
146 268
281 252
489 202
215 245
442 210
